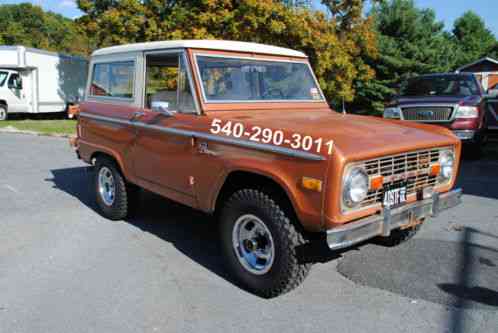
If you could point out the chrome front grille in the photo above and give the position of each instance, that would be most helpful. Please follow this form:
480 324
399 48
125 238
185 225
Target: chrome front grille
427 113
412 167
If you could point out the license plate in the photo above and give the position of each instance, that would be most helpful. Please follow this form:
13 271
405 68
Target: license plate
395 195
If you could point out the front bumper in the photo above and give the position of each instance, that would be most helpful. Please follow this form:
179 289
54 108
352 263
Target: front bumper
382 224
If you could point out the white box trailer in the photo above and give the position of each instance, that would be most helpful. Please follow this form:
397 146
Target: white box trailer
38 81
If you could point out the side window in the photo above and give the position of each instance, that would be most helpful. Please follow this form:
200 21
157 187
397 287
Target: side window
15 82
113 80
167 82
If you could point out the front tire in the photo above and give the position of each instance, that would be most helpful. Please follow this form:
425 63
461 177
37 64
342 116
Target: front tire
3 113
111 190
260 244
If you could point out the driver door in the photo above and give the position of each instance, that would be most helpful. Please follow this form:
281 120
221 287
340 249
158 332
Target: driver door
17 97
162 160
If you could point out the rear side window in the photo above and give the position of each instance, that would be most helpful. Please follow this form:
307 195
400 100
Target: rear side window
113 80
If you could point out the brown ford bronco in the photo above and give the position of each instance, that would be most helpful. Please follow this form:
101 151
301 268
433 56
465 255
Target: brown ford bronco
243 131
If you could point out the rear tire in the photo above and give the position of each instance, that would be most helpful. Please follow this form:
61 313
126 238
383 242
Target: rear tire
260 244
3 113
113 195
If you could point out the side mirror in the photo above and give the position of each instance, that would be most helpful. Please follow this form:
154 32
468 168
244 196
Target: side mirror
162 108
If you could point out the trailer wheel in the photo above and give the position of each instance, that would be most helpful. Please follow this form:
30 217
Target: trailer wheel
3 112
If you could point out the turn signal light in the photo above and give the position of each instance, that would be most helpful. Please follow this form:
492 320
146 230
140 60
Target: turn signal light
376 182
312 184
435 169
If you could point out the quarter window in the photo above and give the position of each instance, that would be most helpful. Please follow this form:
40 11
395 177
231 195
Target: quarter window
113 80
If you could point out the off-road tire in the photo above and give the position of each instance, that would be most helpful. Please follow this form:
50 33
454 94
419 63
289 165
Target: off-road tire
3 113
286 272
399 236
124 193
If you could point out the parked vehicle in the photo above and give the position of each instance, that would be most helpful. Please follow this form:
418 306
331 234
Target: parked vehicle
454 100
243 131
37 81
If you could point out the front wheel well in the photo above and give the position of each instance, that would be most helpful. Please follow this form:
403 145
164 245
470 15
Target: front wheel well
99 154
3 103
238 180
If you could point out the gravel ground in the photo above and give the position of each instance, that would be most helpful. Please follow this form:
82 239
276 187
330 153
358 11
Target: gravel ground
64 268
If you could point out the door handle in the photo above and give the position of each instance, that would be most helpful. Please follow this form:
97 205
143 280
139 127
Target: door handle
136 115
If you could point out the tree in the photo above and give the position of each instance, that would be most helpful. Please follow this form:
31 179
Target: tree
30 26
347 12
410 42
494 52
472 38
297 3
335 54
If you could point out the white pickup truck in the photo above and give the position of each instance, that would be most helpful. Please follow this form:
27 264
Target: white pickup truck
38 81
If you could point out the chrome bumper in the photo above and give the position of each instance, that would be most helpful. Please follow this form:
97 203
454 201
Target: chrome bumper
382 225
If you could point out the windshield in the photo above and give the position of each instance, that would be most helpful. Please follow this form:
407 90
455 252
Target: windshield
3 77
244 80
447 85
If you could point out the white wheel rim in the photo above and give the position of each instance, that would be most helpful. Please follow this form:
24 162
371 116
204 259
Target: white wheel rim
107 188
253 244
3 113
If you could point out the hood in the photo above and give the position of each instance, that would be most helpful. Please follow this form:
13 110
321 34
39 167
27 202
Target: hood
355 137
468 100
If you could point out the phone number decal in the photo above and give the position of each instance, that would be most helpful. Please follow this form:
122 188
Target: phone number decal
269 136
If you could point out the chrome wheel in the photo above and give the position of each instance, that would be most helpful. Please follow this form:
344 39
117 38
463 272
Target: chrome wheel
107 188
253 244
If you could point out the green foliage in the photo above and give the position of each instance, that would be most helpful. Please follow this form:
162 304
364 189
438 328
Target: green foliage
356 58
47 127
411 41
493 53
29 25
347 12
472 38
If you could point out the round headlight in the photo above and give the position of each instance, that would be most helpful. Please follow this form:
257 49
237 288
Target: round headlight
447 161
355 187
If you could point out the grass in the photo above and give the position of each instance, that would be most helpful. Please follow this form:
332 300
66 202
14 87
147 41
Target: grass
50 127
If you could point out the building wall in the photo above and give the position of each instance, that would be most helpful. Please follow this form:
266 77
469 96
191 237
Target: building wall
492 80
485 71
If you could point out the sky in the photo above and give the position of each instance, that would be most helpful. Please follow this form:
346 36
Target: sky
446 10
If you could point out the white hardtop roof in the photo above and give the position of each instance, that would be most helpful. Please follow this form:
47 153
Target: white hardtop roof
221 45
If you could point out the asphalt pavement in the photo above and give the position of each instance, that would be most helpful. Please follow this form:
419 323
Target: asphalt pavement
64 268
